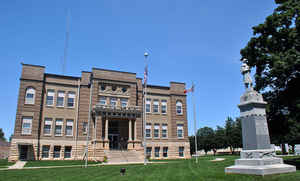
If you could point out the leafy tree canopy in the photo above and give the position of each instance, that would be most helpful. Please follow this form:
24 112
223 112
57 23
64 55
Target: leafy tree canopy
275 52
2 135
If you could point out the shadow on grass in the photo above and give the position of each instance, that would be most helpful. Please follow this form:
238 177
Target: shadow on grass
294 161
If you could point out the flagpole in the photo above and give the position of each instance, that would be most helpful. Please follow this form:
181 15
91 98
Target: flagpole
195 125
145 94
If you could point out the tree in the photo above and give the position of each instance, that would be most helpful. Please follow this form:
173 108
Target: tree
205 139
275 53
220 138
2 135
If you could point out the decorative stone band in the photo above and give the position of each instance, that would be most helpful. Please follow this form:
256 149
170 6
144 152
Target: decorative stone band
252 108
117 111
250 154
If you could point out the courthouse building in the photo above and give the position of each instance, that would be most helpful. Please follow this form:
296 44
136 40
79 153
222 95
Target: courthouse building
53 112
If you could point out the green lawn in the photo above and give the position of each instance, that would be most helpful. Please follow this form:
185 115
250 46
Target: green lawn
46 163
4 163
185 170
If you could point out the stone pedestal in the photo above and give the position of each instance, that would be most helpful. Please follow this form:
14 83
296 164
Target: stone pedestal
257 156
130 145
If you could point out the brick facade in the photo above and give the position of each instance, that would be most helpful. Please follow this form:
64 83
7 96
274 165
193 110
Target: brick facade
54 125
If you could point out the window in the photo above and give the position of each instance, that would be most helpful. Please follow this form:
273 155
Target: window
156 152
113 101
69 127
60 99
124 89
26 125
124 102
181 151
156 131
45 151
164 131
68 151
102 100
29 96
58 127
148 105
155 106
148 130
56 153
165 152
71 99
47 126
180 130
85 127
148 151
50 98
179 107
164 106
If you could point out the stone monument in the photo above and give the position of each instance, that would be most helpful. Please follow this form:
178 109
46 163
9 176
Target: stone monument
257 156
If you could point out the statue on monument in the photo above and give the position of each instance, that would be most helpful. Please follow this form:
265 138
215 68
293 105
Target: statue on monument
245 70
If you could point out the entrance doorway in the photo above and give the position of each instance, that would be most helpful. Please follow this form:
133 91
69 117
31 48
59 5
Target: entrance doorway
23 152
114 140
118 134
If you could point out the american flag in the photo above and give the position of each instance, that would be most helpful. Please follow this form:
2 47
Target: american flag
189 90
146 74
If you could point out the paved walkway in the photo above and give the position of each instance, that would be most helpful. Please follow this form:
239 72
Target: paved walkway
18 165
69 166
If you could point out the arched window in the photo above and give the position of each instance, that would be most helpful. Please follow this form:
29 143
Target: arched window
30 95
179 107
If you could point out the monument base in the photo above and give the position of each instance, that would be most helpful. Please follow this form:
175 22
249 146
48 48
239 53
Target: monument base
261 169
259 162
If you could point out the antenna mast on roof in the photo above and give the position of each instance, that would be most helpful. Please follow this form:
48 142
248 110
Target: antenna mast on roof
66 42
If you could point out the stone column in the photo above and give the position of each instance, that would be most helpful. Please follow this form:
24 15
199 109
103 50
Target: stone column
106 141
130 131
135 131
130 142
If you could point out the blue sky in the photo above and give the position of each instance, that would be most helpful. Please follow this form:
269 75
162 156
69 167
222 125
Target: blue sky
187 41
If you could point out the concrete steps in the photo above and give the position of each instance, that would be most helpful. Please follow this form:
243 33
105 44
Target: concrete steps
124 156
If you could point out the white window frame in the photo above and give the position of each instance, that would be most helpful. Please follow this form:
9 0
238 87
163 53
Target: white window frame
69 123
179 151
71 95
27 120
30 90
179 104
124 100
156 152
60 94
57 146
156 129
165 152
155 105
47 121
148 102
50 93
84 127
102 100
148 127
164 104
164 127
111 101
180 127
67 152
48 153
147 153
59 122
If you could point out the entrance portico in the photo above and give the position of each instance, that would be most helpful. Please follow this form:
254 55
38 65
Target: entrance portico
119 126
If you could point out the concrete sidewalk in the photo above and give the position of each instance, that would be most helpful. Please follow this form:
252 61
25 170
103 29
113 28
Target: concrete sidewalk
90 165
18 165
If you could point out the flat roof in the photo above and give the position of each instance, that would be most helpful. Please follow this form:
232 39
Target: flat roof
113 70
